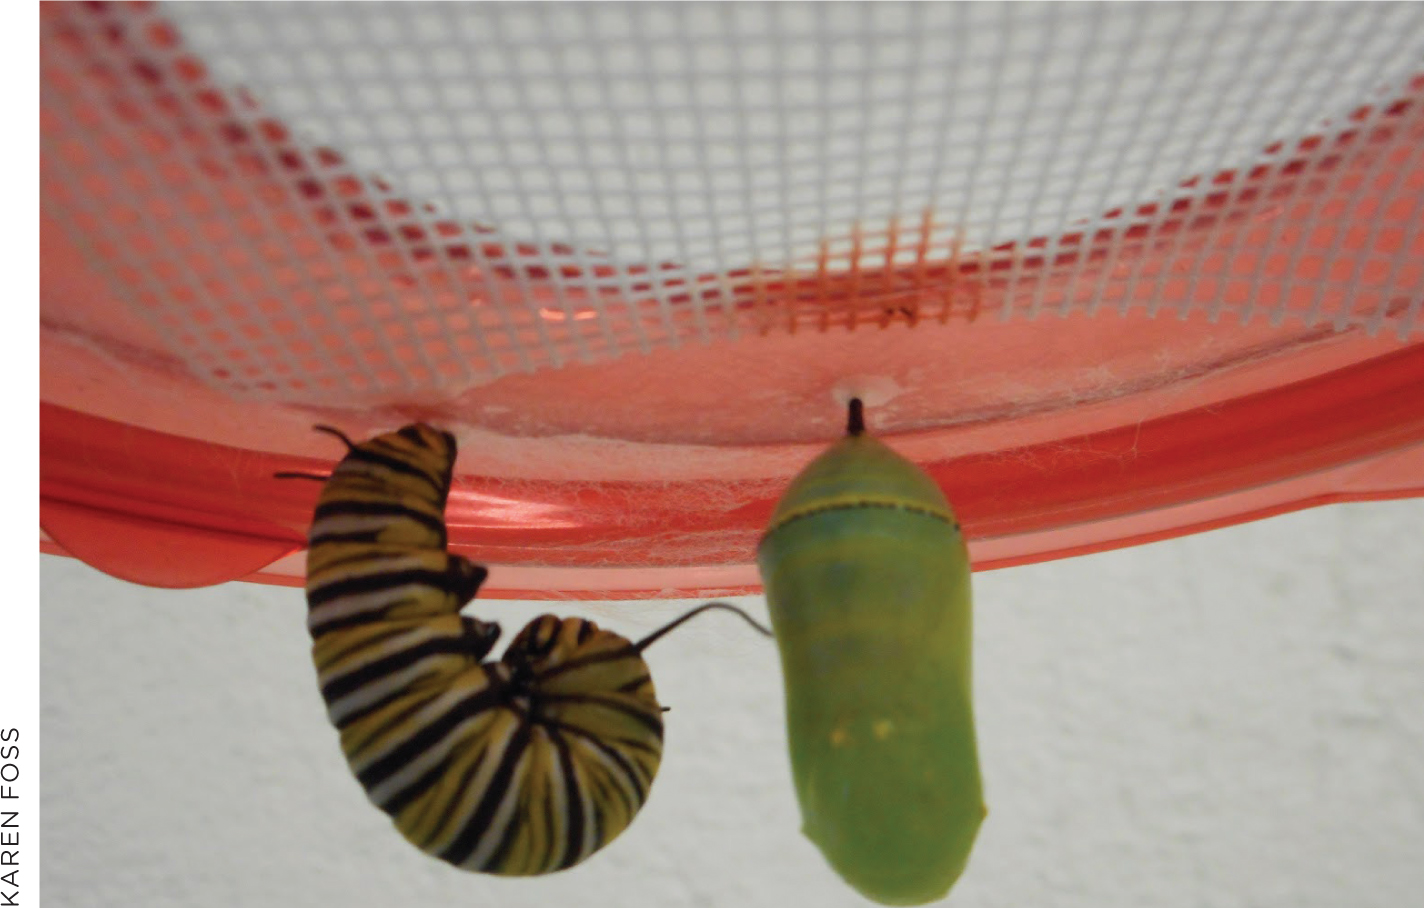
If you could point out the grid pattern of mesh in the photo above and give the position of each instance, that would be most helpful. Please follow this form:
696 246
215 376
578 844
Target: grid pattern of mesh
315 201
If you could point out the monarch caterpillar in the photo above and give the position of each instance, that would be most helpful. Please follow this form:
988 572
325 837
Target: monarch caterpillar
867 580
520 766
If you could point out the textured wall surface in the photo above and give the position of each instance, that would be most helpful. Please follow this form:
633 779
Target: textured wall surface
1233 718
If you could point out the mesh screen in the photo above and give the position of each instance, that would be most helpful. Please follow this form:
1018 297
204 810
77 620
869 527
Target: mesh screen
321 201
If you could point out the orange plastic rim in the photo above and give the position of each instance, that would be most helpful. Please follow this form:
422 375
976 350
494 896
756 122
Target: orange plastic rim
1246 346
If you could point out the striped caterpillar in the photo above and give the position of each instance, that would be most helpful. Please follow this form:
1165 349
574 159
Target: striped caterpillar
522 765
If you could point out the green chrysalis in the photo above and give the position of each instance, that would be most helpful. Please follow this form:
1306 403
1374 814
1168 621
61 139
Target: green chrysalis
867 580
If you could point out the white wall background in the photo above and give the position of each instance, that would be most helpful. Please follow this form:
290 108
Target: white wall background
1233 718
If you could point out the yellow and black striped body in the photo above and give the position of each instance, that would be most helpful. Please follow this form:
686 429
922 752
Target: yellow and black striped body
519 766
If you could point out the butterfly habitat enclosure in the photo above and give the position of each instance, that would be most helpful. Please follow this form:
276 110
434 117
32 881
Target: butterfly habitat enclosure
1110 274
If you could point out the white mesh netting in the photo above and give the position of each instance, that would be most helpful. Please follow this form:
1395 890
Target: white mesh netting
315 200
